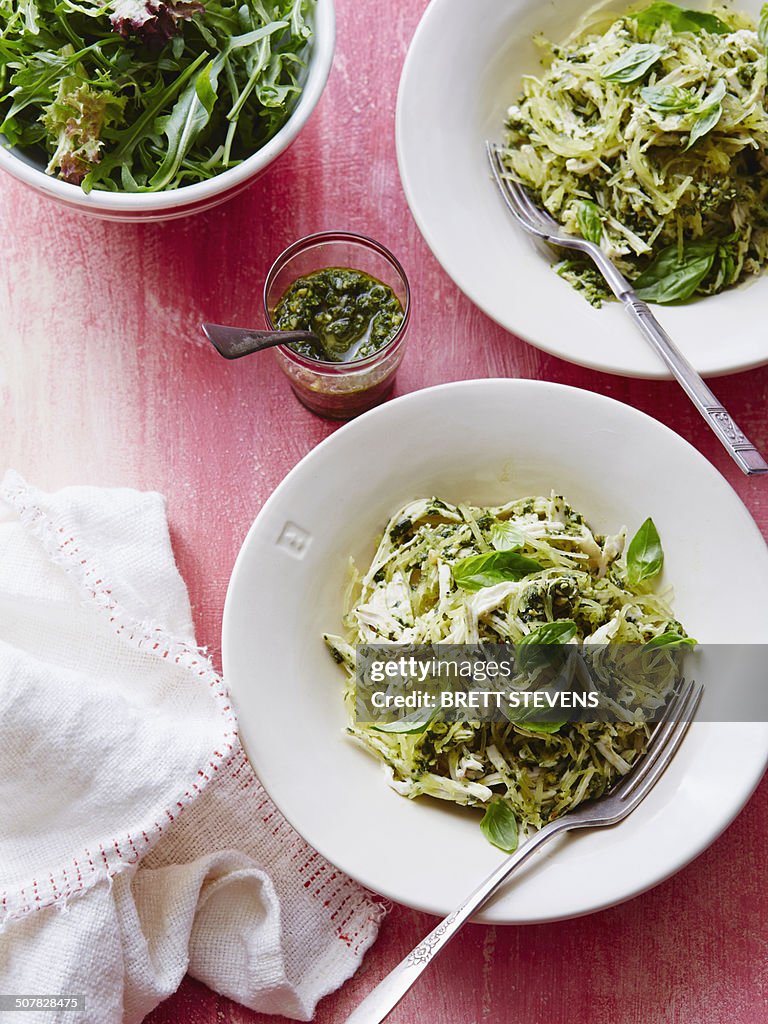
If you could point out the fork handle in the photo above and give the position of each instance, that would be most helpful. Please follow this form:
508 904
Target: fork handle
388 993
738 446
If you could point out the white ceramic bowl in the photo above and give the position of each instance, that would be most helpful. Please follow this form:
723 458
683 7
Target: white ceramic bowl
181 202
484 441
463 70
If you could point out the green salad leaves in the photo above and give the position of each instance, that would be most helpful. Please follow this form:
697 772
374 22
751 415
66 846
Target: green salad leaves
645 556
148 95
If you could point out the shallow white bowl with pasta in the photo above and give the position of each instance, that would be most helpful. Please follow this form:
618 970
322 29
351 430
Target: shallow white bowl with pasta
463 70
486 442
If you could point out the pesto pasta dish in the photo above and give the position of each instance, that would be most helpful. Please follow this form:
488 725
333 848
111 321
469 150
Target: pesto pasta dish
528 572
647 133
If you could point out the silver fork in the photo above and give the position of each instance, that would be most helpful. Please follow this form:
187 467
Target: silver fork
608 810
539 223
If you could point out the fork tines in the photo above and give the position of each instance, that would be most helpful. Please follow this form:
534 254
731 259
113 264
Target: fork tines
665 739
518 201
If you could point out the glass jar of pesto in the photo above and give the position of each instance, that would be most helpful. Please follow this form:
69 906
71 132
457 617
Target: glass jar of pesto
353 294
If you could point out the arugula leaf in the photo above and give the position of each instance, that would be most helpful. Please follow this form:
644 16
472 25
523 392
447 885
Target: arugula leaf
710 113
679 18
257 64
634 64
674 278
506 537
668 99
31 14
671 639
135 133
480 571
589 220
38 80
645 555
499 825
189 116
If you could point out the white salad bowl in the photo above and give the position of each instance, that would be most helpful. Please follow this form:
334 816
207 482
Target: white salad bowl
484 442
180 202
463 70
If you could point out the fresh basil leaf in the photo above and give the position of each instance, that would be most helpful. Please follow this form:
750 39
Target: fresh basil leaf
506 537
499 825
531 718
671 278
716 96
645 555
548 728
762 28
679 18
728 265
668 99
480 571
559 632
532 649
710 113
409 725
671 639
634 64
590 222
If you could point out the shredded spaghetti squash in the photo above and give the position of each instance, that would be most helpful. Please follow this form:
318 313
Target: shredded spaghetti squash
648 134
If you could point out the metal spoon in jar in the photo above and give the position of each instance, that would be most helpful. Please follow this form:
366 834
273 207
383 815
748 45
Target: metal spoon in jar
234 342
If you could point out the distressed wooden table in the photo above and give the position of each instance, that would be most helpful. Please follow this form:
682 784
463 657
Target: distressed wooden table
104 379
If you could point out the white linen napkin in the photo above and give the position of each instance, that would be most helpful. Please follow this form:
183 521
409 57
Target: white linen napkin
135 841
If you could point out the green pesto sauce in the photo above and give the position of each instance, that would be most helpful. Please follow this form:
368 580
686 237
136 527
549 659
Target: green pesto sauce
353 314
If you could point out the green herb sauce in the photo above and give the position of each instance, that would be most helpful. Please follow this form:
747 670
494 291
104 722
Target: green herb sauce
353 314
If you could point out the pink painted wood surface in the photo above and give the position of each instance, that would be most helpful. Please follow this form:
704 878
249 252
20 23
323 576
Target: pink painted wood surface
104 379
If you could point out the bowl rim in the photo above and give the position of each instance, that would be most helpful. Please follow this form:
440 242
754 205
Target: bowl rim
319 68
